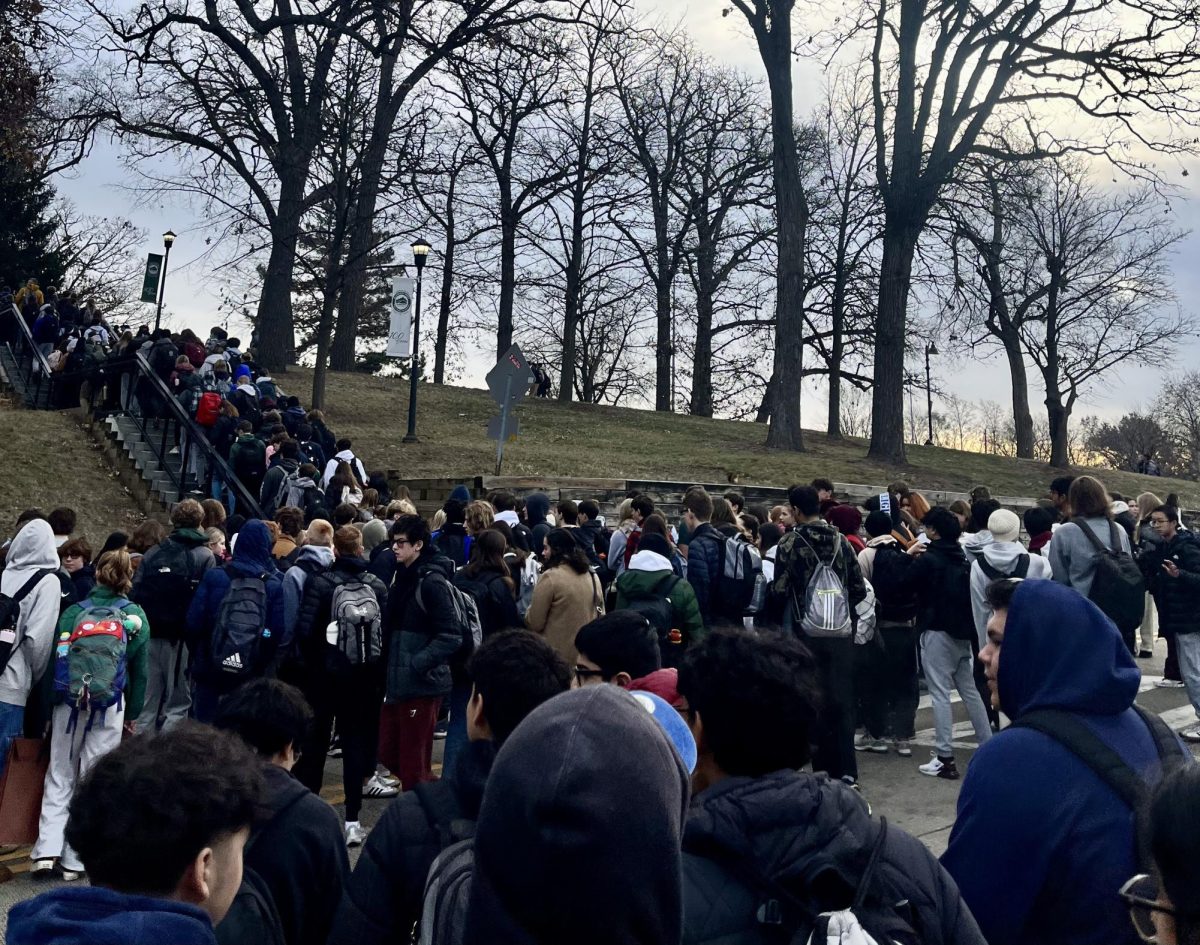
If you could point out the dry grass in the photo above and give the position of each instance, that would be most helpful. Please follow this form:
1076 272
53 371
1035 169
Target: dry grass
46 460
586 441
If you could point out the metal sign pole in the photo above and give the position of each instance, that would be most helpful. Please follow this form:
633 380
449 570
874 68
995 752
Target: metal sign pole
503 422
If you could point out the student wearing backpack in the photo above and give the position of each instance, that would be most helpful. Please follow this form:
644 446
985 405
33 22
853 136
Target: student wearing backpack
946 624
452 539
30 592
163 586
236 629
280 478
1043 839
344 454
651 588
339 639
1004 557
1177 593
488 579
100 678
315 556
248 458
423 634
815 557
1077 555
513 672
597 537
705 553
887 679
761 831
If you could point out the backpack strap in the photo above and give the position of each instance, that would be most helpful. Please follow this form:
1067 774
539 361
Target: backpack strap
993 573
441 809
996 574
864 884
1095 541
1022 567
33 582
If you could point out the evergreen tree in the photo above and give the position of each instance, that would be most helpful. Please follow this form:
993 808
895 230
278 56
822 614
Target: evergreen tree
26 228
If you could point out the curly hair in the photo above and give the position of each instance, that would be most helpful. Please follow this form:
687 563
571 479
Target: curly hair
757 697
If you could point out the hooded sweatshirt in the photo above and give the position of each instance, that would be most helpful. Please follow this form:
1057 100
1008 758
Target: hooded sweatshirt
537 507
345 456
1003 556
1072 556
973 543
554 860
650 574
1041 845
32 550
92 915
312 558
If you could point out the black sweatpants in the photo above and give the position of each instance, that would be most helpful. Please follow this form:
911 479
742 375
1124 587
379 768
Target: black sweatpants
890 696
354 699
833 748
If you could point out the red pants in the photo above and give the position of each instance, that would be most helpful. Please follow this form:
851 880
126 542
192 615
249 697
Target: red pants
406 739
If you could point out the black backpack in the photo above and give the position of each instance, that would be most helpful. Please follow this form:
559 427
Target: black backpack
1073 734
895 595
995 574
952 599
241 645
166 588
1118 587
659 610
10 616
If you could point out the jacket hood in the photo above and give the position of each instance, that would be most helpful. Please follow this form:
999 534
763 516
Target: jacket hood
948 549
432 561
84 916
789 825
1061 652
882 540
649 561
973 543
252 550
282 789
318 553
192 537
1003 555
582 774
374 532
346 456
33 548
509 518
536 507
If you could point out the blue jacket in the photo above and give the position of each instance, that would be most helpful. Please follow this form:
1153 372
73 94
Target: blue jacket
251 557
91 915
1041 845
704 566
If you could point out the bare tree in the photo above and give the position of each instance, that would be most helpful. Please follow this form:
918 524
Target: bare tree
100 259
1178 410
943 71
1108 294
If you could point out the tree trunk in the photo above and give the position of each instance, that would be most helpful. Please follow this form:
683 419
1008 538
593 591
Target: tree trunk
791 212
274 327
573 299
444 300
508 277
766 406
664 314
324 330
837 350
362 240
701 401
887 400
1022 418
1058 416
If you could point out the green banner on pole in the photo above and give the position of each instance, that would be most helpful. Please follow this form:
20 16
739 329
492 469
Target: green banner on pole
150 281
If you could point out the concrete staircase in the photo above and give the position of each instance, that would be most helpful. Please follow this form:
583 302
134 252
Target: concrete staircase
159 476
31 395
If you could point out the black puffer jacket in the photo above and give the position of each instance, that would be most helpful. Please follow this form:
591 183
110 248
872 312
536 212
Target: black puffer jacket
1178 599
803 832
705 549
383 897
421 639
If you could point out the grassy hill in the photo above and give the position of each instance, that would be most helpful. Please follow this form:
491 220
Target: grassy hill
586 441
46 460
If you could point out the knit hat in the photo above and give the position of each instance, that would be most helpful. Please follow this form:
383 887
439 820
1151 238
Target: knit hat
242 371
373 533
664 683
845 518
1004 525
461 493
655 543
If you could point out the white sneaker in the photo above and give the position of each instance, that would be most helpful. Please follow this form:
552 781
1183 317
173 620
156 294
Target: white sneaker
355 835
386 777
903 748
935 767
42 869
1169 684
863 742
1191 734
376 787
69 876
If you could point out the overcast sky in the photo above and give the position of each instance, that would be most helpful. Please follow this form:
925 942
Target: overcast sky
192 289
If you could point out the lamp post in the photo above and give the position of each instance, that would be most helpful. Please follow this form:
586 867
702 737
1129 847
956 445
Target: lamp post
168 239
930 348
420 250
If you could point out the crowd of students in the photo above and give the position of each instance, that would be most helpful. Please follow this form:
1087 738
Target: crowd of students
630 705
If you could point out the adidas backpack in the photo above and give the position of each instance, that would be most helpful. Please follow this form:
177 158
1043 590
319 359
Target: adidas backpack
89 660
355 629
240 645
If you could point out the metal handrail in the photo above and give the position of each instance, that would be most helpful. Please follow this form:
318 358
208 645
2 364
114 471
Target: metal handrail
33 362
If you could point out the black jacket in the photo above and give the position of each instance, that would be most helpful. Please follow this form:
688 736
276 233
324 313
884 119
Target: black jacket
383 897
269 497
300 853
421 639
931 574
705 549
451 541
803 832
1178 599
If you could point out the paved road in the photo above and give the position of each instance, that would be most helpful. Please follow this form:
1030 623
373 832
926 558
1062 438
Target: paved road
922 805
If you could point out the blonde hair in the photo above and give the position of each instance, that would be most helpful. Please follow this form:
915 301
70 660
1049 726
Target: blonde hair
479 516
625 511
1147 502
400 507
320 533
213 533
438 520
115 571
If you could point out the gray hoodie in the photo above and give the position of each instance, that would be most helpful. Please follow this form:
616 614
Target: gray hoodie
1001 555
31 550
1072 557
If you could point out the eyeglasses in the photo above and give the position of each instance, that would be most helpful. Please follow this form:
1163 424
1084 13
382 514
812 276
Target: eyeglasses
582 673
400 542
73 554
1141 895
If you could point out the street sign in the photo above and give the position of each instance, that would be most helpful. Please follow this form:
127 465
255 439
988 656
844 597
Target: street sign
150 280
510 378
508 383
400 334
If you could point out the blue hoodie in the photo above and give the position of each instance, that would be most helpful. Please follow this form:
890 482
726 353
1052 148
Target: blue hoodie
1041 845
251 557
90 915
